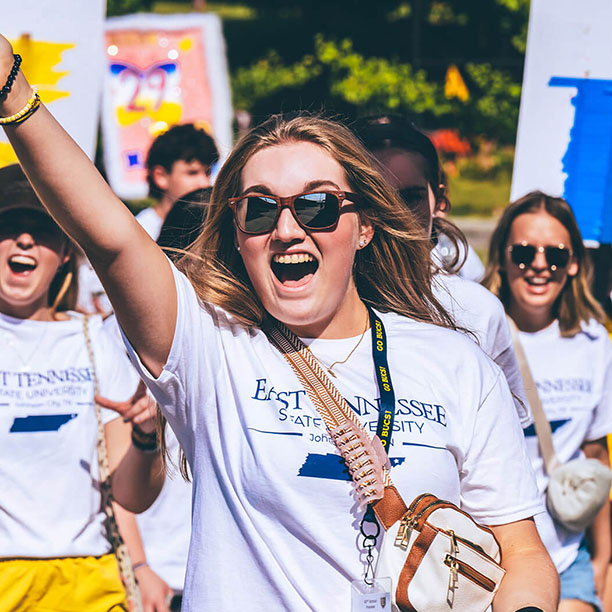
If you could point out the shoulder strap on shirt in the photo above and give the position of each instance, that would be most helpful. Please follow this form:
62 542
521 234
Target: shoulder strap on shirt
542 426
112 530
332 407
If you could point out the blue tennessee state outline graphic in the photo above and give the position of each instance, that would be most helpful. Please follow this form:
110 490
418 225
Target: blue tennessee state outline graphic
40 422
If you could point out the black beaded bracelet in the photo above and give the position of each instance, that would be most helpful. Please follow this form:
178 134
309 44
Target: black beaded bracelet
11 77
145 442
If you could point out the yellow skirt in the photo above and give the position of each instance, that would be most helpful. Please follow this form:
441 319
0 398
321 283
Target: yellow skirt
69 584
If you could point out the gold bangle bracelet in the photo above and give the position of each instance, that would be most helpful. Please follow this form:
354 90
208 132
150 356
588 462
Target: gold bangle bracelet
27 111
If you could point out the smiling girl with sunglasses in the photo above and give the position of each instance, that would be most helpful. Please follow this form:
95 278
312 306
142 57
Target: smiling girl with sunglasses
275 518
538 268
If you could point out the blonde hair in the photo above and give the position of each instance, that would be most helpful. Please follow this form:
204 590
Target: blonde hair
575 304
393 273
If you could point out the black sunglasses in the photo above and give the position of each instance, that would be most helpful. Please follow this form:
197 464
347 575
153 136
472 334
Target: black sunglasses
523 254
258 213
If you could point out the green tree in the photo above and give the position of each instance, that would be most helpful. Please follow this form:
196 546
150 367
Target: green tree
123 7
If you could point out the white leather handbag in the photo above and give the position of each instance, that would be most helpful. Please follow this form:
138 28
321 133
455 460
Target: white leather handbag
439 559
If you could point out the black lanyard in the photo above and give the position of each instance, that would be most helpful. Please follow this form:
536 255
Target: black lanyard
384 429
386 410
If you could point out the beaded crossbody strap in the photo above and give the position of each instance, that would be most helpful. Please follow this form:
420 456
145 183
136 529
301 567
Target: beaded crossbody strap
112 530
366 459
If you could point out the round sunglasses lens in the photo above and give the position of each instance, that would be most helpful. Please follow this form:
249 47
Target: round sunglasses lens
556 256
317 210
522 254
256 214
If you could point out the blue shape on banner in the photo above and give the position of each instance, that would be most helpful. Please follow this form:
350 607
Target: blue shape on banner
40 422
134 160
588 159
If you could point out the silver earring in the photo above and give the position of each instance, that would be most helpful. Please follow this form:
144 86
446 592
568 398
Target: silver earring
362 243
238 248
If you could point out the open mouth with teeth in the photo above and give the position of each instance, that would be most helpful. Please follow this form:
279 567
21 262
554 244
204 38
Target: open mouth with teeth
294 268
21 264
537 281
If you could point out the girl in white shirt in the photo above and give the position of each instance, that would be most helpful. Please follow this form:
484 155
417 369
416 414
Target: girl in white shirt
54 550
409 161
537 266
275 523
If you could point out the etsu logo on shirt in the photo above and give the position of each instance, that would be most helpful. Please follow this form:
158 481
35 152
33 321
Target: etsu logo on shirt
415 424
419 411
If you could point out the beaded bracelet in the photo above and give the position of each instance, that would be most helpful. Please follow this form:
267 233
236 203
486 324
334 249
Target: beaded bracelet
26 112
11 77
145 442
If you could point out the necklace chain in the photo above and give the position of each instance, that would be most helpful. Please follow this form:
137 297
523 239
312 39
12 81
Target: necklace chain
342 361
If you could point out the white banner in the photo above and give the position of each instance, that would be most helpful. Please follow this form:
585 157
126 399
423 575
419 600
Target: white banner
161 70
61 43
564 140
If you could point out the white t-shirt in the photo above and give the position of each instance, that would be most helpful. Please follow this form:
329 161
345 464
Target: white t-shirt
49 499
476 309
151 222
91 292
472 268
165 528
272 500
574 381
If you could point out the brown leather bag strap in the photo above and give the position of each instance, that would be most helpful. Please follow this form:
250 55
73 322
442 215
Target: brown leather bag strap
390 508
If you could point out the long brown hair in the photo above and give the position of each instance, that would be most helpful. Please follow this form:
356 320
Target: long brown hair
575 304
393 273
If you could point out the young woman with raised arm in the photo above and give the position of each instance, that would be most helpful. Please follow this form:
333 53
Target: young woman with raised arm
303 230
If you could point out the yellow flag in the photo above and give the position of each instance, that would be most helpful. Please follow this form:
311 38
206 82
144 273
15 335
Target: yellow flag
454 85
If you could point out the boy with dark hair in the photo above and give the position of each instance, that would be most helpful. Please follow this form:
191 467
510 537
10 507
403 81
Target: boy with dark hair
179 161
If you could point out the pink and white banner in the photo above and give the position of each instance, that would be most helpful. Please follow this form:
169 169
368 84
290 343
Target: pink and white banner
161 70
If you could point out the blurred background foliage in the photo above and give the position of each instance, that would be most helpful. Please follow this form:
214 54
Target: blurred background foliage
358 57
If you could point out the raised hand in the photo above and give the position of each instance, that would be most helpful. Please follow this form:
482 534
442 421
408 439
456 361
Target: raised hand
140 409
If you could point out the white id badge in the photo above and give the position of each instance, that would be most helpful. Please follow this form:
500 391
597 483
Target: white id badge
374 598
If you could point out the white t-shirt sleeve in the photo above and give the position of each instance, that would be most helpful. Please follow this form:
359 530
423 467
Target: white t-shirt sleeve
117 378
601 423
497 454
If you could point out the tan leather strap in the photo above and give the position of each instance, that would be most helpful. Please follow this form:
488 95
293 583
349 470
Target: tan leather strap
332 407
112 530
390 508
542 426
